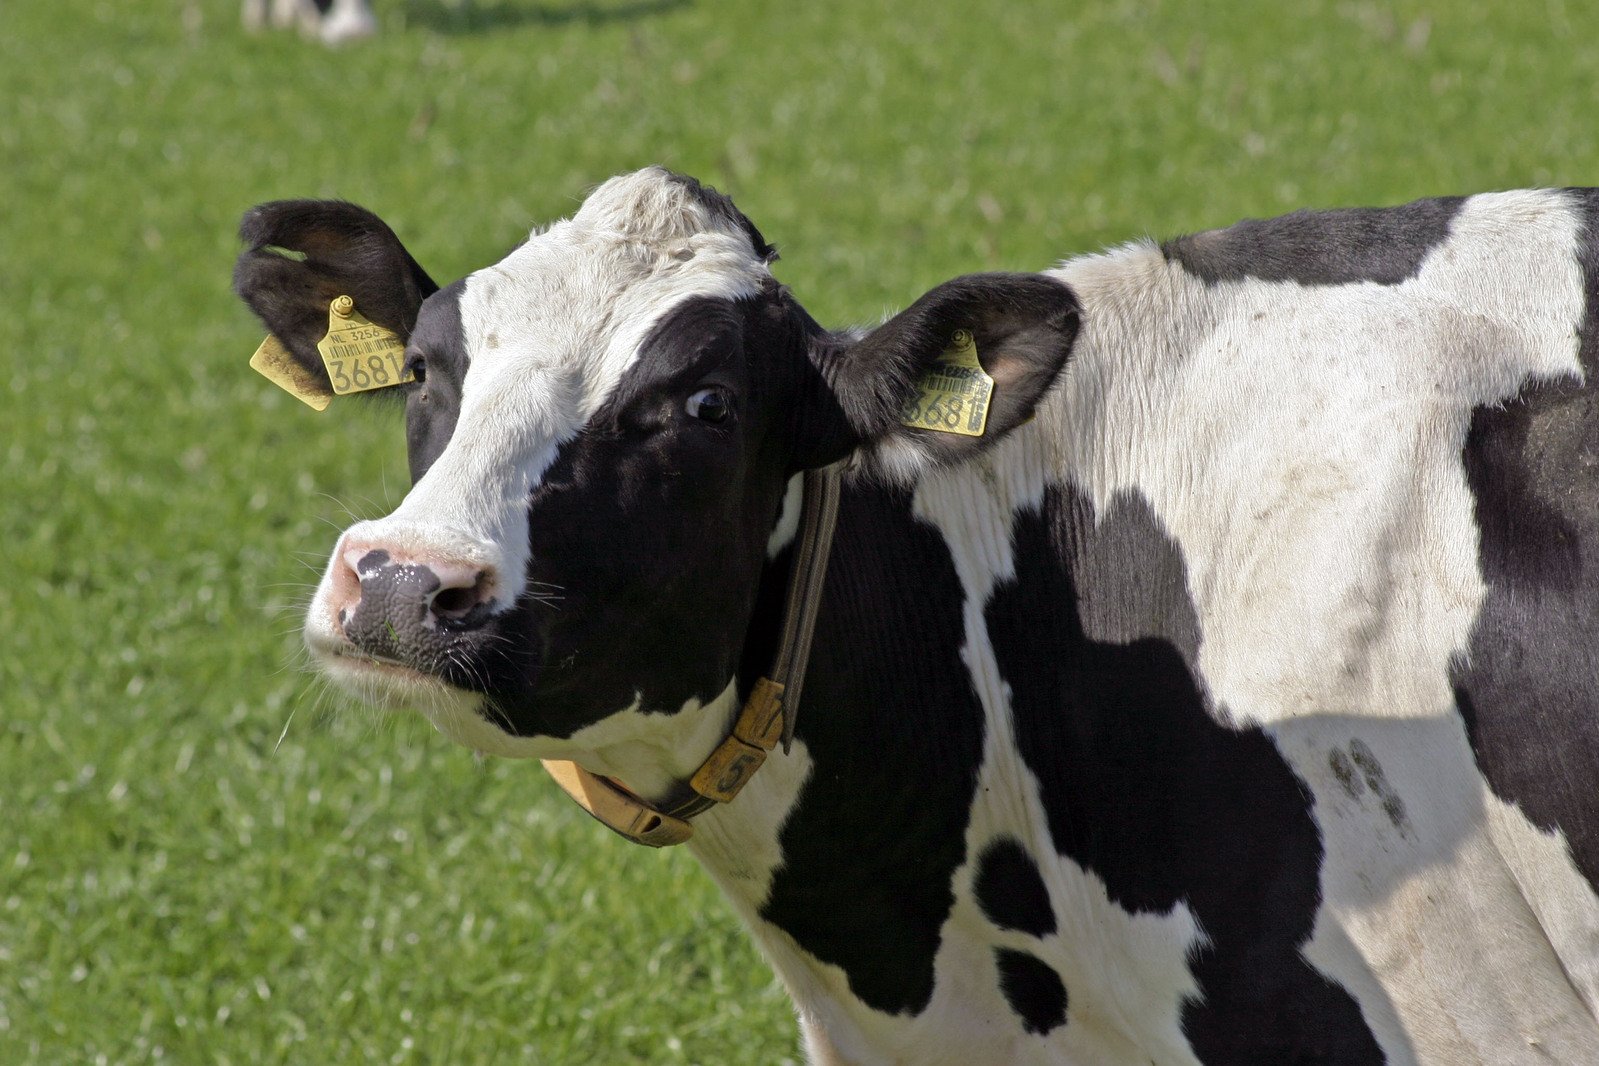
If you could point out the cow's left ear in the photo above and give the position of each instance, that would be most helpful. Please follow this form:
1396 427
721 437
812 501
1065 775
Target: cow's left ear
913 391
303 254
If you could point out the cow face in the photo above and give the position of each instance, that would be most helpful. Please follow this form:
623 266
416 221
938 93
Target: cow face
603 433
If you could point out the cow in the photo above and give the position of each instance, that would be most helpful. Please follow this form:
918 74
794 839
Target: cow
333 22
1203 669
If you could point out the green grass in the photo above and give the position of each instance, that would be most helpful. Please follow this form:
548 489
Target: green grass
180 878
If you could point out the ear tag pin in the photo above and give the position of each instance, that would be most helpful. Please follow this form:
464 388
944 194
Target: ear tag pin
359 355
953 395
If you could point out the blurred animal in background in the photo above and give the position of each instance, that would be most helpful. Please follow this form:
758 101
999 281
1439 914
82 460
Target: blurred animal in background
331 21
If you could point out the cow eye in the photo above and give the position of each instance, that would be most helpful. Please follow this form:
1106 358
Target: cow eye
710 405
417 366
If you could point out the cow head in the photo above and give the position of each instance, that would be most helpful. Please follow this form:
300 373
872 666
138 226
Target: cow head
602 437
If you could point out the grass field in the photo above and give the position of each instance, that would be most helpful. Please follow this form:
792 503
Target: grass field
199 860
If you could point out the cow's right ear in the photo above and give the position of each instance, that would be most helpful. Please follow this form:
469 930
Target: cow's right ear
304 254
943 379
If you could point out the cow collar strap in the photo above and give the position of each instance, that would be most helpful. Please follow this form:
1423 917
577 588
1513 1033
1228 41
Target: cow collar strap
768 715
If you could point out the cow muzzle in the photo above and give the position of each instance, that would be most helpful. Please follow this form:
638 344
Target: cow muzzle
407 610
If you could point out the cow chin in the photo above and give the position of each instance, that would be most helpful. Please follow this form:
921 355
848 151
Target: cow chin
461 715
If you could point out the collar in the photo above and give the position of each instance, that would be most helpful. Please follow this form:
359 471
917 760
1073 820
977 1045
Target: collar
768 715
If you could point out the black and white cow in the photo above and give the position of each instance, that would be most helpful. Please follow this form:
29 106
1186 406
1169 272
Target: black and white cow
1232 699
331 21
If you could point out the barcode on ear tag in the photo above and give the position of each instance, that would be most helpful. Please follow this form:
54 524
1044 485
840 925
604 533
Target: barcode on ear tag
359 354
953 395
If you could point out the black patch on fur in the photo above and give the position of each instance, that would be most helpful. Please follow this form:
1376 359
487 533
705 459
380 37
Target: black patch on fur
1528 687
1034 990
879 831
1386 245
1010 889
437 351
1144 787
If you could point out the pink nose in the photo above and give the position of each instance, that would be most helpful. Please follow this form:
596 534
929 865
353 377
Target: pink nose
392 604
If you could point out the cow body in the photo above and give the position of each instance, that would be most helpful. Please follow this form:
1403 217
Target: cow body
1237 707
334 22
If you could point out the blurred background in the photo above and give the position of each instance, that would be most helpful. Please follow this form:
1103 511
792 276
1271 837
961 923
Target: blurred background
202 859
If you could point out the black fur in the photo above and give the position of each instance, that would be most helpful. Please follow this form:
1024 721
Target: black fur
1386 245
648 532
1527 688
879 831
1010 889
1145 787
436 354
1034 991
653 525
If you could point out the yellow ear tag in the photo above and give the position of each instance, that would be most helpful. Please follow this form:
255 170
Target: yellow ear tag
359 355
952 397
273 362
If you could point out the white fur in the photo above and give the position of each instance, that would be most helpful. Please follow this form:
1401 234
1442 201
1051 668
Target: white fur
788 517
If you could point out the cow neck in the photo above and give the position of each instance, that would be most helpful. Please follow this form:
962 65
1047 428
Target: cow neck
768 715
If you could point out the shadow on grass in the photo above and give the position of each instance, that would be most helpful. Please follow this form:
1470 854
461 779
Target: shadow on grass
484 16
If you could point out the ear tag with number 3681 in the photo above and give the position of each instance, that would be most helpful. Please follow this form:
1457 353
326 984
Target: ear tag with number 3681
358 354
953 395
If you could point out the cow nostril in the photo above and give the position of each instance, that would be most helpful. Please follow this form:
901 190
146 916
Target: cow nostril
463 605
453 603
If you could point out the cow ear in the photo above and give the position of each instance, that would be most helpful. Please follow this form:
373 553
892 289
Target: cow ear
304 254
1018 328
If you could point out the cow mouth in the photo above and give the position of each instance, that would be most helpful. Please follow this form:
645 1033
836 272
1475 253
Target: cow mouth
348 655
358 668
445 679
378 680
466 717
